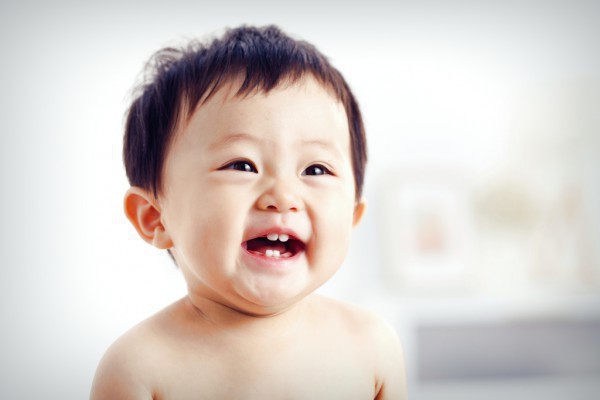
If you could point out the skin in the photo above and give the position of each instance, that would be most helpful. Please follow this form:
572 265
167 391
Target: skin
251 326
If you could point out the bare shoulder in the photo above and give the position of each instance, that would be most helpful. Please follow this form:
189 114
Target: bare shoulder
129 368
360 321
379 338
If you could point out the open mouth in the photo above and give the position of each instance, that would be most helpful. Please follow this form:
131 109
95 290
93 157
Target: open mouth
274 245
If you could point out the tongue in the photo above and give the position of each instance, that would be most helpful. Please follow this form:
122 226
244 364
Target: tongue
261 245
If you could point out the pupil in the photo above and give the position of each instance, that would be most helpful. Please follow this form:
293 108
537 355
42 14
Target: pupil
243 166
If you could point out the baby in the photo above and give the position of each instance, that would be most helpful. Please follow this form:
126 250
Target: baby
246 159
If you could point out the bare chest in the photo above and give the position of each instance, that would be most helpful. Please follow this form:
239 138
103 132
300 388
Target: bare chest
294 371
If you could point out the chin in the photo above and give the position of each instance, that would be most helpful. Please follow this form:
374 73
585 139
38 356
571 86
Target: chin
273 302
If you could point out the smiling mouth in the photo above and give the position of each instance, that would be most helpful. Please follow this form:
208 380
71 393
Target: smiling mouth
274 247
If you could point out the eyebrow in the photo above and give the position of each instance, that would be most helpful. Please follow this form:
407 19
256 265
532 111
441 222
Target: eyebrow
233 138
327 145
230 138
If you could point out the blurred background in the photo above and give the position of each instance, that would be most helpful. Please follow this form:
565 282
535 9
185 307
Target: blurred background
481 242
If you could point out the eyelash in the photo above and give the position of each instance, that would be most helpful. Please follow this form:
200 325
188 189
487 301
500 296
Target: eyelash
322 170
240 165
247 166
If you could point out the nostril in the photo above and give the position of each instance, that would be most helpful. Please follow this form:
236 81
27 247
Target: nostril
279 200
275 208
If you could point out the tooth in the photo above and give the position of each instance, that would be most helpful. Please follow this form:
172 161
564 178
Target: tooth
276 253
269 253
283 237
272 237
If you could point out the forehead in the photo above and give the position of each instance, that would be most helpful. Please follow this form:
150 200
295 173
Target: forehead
304 107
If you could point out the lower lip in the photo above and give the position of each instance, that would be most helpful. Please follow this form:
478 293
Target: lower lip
261 261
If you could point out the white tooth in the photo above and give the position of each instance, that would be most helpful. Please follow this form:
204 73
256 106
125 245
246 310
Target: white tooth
269 253
272 237
276 253
283 237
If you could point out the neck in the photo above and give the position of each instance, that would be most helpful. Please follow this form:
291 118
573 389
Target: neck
268 323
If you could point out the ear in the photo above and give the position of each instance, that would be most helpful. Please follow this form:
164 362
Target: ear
359 211
144 214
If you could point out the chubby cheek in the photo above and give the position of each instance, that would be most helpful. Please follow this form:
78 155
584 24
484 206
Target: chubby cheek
332 225
208 236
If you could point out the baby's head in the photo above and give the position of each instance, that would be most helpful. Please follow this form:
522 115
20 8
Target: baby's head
178 80
246 159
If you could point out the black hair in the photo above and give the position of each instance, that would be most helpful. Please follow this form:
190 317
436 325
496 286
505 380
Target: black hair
178 79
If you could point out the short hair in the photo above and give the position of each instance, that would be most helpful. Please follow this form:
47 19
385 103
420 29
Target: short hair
176 80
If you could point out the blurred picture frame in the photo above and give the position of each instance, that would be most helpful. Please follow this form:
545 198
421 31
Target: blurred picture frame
426 228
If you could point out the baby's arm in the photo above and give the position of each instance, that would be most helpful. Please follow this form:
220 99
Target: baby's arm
390 359
119 377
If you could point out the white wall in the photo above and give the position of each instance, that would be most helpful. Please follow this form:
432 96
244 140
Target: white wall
498 96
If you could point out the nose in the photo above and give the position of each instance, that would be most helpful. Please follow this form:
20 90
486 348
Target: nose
280 197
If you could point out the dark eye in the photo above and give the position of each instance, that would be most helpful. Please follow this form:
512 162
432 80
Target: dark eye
244 166
316 169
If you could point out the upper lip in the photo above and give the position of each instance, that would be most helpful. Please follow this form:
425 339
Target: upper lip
278 230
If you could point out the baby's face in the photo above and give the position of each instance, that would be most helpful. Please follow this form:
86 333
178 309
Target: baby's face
258 196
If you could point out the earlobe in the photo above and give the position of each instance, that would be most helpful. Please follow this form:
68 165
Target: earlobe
359 210
145 216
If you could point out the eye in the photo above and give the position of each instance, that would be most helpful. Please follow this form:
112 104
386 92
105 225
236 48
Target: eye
316 169
240 165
